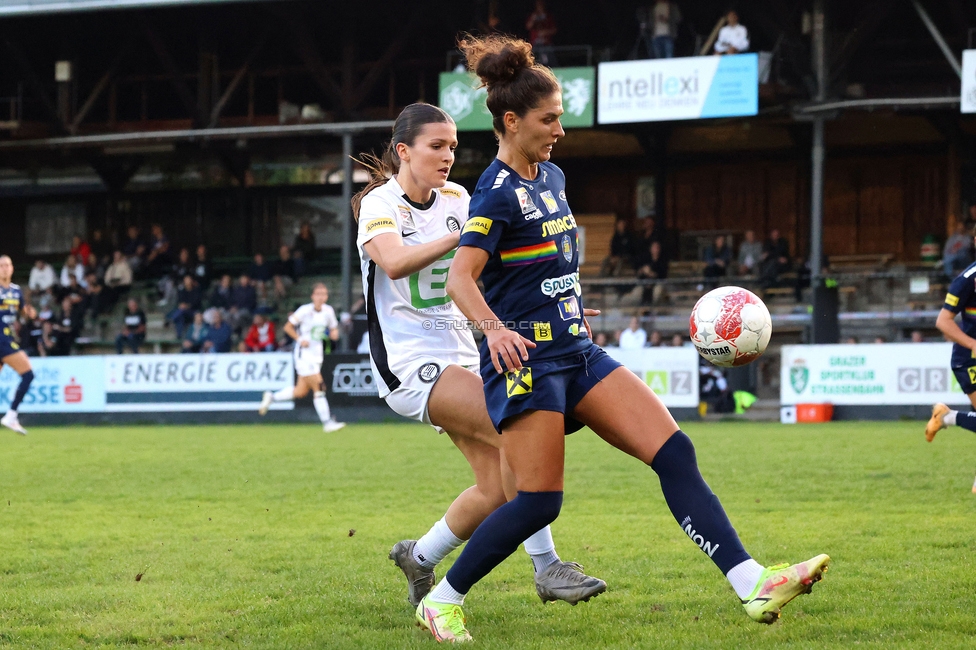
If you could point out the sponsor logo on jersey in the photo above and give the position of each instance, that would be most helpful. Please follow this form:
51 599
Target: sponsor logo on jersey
384 223
972 374
525 201
477 224
452 223
951 300
502 175
550 202
529 254
559 225
447 191
537 214
569 308
552 287
562 195
574 329
543 331
429 372
567 246
518 382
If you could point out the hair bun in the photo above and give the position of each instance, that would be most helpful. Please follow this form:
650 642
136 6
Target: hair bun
496 58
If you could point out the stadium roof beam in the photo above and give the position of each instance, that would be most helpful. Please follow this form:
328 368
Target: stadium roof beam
100 87
878 102
870 19
36 86
175 75
304 47
937 36
236 81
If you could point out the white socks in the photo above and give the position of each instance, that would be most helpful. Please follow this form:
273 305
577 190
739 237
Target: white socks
541 549
284 395
321 407
744 577
435 545
445 593
949 419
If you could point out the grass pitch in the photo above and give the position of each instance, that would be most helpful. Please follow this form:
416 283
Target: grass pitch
277 536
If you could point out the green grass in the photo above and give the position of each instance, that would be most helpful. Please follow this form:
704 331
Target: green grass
243 536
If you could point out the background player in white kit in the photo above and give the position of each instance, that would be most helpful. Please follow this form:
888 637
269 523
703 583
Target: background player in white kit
309 326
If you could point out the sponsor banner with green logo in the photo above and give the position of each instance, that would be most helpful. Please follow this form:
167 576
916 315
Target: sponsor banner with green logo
465 102
672 373
890 373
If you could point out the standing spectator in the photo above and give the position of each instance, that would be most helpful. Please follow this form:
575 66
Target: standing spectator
67 328
677 341
196 334
957 253
305 242
159 259
134 249
653 266
133 328
243 302
47 344
775 259
220 297
917 337
80 249
95 302
261 336
30 336
634 336
655 341
203 270
734 37
72 267
718 256
219 335
542 27
750 251
601 339
189 301
101 247
77 296
94 267
260 273
284 272
620 247
42 277
666 19
118 278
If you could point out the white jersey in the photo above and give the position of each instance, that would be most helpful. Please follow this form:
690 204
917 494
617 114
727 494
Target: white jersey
412 316
313 326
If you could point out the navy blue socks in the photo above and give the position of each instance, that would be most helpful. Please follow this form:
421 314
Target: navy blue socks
500 534
25 382
966 420
694 505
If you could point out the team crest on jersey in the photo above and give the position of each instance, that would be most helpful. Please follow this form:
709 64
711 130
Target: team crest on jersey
568 308
525 201
567 246
405 217
453 224
428 372
550 202
562 195
502 175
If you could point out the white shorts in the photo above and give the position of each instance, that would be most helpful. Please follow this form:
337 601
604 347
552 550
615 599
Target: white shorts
307 362
411 397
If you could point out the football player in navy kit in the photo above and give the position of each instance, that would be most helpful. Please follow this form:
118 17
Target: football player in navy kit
11 305
543 376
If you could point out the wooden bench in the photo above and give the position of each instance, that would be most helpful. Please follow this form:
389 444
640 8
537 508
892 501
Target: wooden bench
686 269
597 231
864 262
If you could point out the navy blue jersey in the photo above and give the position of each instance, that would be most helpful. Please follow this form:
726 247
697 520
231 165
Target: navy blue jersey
11 302
532 275
961 298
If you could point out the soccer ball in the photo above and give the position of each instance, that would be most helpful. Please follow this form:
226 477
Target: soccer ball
730 326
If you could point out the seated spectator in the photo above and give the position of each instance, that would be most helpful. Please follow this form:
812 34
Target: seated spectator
134 249
734 37
957 253
917 337
95 302
305 243
260 273
653 266
159 259
30 336
600 338
189 300
718 257
775 260
243 302
133 331
77 295
649 232
67 328
72 267
118 277
750 251
620 248
47 344
298 263
42 277
803 278
101 247
219 335
169 283
634 336
202 270
655 341
284 272
261 336
677 341
80 249
220 298
196 334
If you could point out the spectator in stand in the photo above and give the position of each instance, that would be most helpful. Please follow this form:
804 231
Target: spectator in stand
880 339
655 341
957 253
750 252
66 327
260 273
601 339
78 297
542 27
243 302
220 298
30 336
803 278
305 242
916 337
653 266
202 270
734 37
284 272
118 278
95 301
102 248
72 267
168 284
667 16
42 277
196 334
261 336
677 341
80 249
298 263
94 267
159 260
134 249
133 331
620 247
634 336
718 257
47 344
218 336
189 300
775 260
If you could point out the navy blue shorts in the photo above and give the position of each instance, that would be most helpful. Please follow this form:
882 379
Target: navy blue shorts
8 345
966 376
555 385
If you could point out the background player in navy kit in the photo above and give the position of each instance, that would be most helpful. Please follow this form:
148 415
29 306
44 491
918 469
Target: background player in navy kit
543 376
960 299
11 304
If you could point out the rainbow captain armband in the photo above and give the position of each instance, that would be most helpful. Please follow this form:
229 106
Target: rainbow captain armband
477 224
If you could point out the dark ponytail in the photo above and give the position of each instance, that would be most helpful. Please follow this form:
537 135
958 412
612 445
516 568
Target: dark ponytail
406 128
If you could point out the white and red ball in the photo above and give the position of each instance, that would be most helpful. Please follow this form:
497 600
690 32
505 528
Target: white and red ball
730 326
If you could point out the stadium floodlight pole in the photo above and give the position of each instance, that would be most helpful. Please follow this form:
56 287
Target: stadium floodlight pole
818 155
937 36
346 216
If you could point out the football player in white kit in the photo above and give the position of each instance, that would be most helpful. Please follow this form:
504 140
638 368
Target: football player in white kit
309 326
423 353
